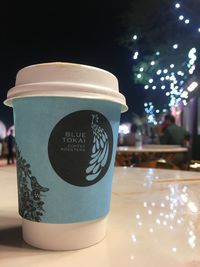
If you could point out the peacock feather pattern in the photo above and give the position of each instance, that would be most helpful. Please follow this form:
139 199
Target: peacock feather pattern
100 150
30 191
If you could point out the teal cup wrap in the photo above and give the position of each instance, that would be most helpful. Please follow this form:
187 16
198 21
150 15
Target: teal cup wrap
65 157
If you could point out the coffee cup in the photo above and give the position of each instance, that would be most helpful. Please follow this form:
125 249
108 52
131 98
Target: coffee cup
66 120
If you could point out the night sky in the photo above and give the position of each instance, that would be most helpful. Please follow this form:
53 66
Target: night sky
83 32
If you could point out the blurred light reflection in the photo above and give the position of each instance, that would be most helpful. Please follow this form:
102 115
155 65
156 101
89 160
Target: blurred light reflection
133 238
192 206
169 212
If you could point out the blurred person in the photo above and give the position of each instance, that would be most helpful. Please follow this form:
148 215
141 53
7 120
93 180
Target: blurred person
1 147
129 138
10 144
172 134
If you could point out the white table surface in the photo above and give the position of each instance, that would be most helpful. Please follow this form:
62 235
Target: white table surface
154 221
153 149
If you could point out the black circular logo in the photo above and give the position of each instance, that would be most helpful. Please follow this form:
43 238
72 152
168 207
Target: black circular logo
80 147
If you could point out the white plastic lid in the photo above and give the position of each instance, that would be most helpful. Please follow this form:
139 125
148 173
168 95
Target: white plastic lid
66 80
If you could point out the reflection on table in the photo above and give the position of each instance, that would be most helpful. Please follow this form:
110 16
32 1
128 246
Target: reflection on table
126 155
154 221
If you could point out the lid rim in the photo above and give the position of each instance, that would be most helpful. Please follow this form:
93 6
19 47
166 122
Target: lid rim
65 90
8 101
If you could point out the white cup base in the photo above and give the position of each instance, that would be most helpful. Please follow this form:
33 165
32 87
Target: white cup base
64 236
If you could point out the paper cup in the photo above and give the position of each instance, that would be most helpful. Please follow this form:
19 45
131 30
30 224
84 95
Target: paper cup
66 126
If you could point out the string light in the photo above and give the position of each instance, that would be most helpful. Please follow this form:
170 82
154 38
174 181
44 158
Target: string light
192 69
177 5
181 17
175 46
192 86
175 95
136 54
159 72
165 71
150 80
150 110
150 71
184 94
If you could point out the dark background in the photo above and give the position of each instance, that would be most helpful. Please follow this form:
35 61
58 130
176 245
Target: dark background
86 32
